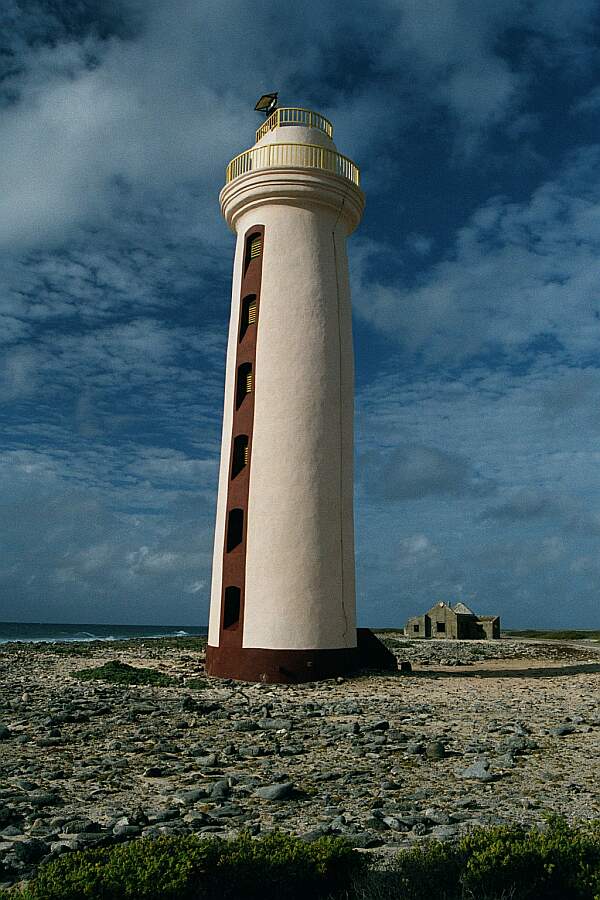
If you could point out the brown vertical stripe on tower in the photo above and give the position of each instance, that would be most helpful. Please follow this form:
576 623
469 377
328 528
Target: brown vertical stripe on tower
234 560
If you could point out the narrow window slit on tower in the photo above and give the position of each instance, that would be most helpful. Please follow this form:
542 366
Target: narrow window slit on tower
235 529
244 383
240 454
231 611
253 248
248 314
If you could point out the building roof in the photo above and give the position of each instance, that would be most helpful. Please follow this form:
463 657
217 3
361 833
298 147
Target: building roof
463 609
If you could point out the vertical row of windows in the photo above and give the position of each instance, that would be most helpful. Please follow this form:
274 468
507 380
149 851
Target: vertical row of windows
232 598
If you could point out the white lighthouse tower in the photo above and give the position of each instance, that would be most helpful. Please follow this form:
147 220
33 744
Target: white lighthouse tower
283 596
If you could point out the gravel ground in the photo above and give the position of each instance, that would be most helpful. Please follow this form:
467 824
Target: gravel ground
478 733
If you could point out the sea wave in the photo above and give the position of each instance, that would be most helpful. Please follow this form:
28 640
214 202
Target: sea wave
37 634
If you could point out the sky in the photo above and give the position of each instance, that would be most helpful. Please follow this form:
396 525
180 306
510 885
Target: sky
475 278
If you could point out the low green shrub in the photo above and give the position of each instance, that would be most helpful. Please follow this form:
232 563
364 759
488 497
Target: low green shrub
193 868
196 683
430 871
122 673
501 863
560 862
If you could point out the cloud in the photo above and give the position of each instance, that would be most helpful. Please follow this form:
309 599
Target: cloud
412 471
508 523
142 98
18 373
475 286
590 104
531 505
518 272
87 552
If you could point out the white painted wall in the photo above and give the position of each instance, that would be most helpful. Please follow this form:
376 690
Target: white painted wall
300 591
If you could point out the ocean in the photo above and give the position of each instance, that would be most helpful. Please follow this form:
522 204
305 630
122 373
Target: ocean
38 631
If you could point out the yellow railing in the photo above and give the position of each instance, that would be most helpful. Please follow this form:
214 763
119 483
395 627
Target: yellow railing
303 156
295 115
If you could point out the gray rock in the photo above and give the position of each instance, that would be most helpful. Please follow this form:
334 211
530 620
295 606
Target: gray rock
80 826
381 725
155 772
251 752
435 750
43 798
394 824
127 830
506 761
163 815
220 790
437 817
415 748
30 851
275 791
245 725
208 761
518 743
363 840
50 742
227 811
562 730
191 796
478 771
315 834
275 724
443 832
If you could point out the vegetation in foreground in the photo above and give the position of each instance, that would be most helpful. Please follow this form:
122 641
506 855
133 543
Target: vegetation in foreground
503 863
122 673
193 868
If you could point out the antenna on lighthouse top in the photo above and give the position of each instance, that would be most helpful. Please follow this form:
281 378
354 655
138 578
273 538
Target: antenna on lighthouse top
267 104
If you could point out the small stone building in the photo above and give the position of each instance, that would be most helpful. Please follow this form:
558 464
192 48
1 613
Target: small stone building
456 622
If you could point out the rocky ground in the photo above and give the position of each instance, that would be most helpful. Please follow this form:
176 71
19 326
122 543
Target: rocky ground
478 733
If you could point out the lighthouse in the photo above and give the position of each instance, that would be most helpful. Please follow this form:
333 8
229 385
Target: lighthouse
283 586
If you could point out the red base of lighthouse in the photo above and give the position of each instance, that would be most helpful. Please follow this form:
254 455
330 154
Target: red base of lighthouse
294 666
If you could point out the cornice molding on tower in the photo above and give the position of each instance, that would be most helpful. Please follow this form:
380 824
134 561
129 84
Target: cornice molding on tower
294 187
